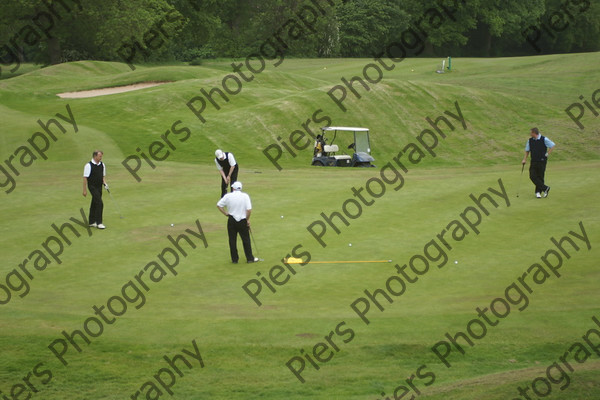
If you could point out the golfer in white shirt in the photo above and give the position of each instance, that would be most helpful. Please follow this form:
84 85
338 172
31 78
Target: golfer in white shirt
237 207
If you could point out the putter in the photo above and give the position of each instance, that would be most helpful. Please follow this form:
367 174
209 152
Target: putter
116 204
520 180
254 242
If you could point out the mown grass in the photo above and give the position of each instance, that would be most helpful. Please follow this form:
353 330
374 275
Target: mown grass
245 347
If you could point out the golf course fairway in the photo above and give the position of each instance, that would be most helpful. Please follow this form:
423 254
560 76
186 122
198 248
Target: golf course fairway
201 308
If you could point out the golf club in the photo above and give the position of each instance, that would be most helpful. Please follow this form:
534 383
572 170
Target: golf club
116 204
520 180
254 242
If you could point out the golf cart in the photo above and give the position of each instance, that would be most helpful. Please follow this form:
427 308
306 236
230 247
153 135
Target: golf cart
326 150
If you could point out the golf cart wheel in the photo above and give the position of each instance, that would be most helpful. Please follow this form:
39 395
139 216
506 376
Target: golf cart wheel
318 164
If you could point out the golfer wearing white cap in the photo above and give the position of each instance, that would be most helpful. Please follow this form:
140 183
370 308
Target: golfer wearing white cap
238 213
228 169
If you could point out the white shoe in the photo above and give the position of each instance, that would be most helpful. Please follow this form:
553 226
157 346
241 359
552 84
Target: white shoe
546 191
94 225
538 195
101 226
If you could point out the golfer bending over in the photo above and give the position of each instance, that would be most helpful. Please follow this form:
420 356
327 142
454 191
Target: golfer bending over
94 176
238 213
228 169
540 148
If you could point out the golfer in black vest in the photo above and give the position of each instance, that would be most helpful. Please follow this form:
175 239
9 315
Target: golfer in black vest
94 176
540 148
238 213
228 169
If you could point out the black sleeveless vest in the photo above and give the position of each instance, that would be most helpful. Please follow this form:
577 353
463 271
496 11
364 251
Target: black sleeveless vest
224 163
96 174
538 149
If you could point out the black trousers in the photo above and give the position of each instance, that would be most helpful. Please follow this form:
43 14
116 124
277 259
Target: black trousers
234 175
97 206
537 170
233 228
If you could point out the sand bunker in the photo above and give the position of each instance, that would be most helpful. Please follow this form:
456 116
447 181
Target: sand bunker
106 91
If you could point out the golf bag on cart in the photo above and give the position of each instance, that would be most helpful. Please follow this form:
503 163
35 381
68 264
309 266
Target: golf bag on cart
319 146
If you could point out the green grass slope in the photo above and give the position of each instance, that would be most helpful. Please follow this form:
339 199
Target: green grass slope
500 99
245 347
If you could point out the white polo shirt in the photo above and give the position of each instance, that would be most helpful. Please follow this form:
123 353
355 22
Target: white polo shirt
230 159
87 170
237 203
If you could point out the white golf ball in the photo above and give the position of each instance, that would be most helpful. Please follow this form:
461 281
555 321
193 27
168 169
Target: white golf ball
349 244
172 225
455 262
282 216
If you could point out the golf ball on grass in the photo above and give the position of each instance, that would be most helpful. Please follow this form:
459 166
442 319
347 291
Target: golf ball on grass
455 262
172 225
282 216
349 244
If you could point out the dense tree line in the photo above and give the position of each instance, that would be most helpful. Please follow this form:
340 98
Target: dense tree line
53 31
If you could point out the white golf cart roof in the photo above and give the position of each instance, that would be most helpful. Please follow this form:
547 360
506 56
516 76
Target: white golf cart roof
344 128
